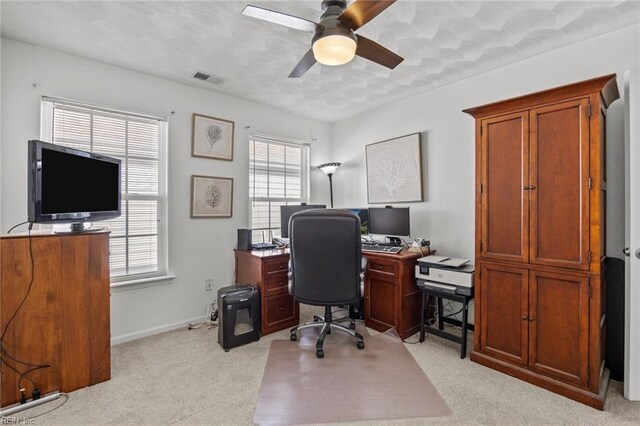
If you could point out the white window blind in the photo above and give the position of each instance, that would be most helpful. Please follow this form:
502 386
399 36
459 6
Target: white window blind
278 175
137 243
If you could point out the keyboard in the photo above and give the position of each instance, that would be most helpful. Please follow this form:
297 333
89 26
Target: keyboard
381 249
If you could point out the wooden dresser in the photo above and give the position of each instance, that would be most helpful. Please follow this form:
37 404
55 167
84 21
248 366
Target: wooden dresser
392 298
64 321
540 237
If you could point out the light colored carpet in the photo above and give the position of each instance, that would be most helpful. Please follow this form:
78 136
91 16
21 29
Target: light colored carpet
381 381
184 377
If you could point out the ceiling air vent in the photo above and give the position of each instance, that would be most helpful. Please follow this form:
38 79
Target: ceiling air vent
213 79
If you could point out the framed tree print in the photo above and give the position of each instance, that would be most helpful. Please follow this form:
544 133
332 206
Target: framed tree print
212 137
211 196
394 170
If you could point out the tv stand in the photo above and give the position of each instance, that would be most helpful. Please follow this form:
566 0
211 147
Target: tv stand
64 321
77 227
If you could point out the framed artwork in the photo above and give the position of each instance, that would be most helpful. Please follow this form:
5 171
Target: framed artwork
212 138
211 196
394 170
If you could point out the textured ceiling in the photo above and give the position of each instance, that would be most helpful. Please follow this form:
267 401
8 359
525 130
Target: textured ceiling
441 41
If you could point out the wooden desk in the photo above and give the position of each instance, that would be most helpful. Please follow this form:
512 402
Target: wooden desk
64 321
391 300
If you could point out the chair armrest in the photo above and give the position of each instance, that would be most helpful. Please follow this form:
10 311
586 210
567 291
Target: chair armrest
290 280
363 268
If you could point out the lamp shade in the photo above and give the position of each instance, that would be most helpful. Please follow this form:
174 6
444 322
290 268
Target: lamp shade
329 168
336 49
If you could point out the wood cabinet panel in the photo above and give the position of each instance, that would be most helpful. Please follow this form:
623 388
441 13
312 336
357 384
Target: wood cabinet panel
558 334
380 301
559 164
69 302
276 283
504 312
380 265
280 309
505 150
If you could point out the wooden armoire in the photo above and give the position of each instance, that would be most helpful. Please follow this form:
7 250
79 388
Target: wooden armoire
540 237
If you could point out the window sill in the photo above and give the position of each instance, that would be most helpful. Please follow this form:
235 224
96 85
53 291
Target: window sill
141 283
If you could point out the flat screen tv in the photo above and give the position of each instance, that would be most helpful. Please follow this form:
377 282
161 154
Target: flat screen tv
287 211
71 186
363 214
389 221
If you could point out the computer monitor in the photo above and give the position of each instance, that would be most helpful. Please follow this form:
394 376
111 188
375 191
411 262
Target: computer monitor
287 211
363 214
389 221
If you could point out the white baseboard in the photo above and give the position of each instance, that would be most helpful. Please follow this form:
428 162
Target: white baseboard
155 330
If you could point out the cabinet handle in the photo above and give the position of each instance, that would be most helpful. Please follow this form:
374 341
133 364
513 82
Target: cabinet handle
282 308
530 318
528 187
524 318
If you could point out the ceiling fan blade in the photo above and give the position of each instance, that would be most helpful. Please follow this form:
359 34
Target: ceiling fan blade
362 11
303 66
280 18
372 51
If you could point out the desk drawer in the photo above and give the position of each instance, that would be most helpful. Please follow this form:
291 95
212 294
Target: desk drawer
280 308
276 281
382 266
280 265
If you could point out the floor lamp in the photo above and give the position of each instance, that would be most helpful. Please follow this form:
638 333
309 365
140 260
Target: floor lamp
329 169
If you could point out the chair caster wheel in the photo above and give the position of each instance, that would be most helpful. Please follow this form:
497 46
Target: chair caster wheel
293 337
360 345
316 318
352 326
320 353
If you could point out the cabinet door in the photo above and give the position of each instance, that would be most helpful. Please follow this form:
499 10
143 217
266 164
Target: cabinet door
380 301
504 213
559 174
559 326
281 311
503 315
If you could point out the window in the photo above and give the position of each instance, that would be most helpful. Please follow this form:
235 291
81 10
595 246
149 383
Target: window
137 242
278 175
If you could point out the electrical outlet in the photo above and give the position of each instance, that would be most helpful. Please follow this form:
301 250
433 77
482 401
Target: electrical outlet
208 284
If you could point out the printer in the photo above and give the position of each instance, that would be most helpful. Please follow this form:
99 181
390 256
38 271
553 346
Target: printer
445 274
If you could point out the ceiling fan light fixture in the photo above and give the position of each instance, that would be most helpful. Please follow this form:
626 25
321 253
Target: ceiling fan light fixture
335 49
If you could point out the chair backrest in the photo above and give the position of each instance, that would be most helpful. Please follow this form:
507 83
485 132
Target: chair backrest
326 256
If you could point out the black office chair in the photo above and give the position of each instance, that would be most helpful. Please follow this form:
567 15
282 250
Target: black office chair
326 266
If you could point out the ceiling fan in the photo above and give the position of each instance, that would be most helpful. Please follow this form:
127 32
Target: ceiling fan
334 41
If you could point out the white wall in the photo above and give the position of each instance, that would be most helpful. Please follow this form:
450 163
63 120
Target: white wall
198 248
632 216
447 215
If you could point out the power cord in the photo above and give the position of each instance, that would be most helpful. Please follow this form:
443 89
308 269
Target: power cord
15 226
208 320
33 267
62 394
3 351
